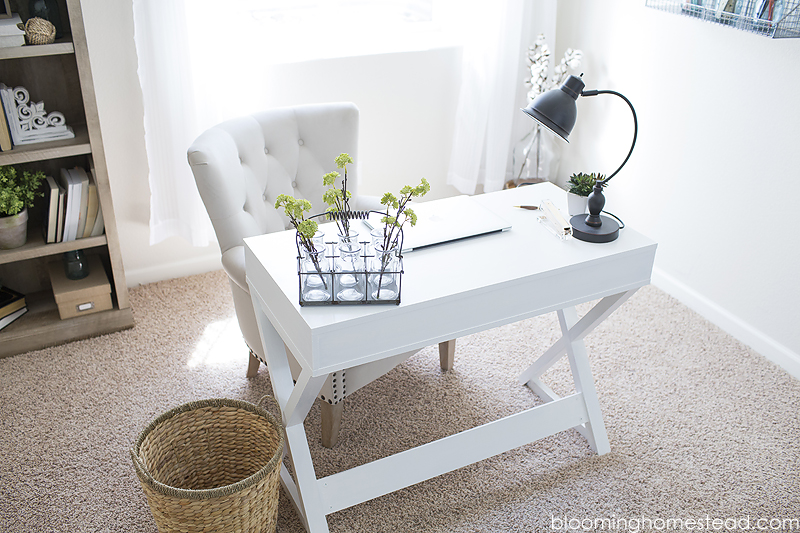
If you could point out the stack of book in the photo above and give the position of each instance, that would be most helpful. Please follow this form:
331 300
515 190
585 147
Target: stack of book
10 34
72 207
12 306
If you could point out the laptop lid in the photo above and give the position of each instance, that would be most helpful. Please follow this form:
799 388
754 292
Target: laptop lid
447 220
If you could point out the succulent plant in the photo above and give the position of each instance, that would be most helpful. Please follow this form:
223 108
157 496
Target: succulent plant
583 184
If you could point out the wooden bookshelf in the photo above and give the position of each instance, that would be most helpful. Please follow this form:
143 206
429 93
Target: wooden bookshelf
60 75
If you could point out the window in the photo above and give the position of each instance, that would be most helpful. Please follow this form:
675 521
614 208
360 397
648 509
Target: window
286 31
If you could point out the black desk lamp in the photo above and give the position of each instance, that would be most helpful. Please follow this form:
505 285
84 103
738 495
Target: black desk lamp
557 111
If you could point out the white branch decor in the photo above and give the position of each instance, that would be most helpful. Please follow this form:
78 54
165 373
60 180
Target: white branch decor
539 59
29 123
530 159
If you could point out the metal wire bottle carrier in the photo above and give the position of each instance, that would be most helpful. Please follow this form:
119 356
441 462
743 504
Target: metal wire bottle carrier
327 274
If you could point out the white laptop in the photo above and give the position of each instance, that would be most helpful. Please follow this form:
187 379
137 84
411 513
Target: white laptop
446 220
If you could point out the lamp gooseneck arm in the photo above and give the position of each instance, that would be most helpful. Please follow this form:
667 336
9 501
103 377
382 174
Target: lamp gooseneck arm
635 127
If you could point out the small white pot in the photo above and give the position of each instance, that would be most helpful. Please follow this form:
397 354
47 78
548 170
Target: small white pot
576 205
13 230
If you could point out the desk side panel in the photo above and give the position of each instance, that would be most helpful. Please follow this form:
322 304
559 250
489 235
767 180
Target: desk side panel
417 326
278 309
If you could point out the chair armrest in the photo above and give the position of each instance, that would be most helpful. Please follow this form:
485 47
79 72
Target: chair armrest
233 263
365 202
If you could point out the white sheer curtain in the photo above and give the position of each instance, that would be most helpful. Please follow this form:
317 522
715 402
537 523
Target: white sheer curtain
202 62
188 72
487 102
171 121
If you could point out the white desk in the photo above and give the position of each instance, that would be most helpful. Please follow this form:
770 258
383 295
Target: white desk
448 291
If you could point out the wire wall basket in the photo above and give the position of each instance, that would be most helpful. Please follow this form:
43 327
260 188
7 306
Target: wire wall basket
353 273
771 18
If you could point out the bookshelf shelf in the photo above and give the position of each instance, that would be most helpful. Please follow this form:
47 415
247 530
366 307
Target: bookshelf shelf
41 326
36 247
61 74
30 153
63 46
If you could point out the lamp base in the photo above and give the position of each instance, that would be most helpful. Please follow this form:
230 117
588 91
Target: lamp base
607 232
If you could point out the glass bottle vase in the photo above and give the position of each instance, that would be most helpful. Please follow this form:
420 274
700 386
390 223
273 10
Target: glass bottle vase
384 274
316 284
349 282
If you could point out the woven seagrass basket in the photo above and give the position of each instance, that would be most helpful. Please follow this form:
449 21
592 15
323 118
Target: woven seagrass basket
211 465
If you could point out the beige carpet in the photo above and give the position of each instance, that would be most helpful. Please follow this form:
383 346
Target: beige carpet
701 427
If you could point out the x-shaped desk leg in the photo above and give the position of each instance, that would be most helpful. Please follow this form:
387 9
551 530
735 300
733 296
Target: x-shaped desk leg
571 343
295 401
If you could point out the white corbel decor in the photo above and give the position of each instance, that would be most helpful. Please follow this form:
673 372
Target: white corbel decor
28 122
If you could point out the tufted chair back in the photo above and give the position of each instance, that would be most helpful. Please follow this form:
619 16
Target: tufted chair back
242 165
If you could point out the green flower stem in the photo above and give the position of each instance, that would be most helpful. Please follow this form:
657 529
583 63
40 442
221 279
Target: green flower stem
392 225
295 209
385 258
346 202
338 200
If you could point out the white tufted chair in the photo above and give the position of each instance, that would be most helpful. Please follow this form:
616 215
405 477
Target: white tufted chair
240 167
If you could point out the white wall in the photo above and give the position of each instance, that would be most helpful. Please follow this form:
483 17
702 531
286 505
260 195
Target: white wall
718 125
713 175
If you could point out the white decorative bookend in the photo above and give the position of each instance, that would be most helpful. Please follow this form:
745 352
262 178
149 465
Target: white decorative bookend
28 122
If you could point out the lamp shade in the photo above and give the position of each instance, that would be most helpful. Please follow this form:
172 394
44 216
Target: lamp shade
557 109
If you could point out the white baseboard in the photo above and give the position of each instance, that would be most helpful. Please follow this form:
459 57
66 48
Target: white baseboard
731 324
189 267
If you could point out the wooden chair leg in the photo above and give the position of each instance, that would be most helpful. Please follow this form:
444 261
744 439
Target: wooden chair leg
252 366
331 423
447 354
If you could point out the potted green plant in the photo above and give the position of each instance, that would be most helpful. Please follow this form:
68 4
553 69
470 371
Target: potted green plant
17 193
386 240
580 186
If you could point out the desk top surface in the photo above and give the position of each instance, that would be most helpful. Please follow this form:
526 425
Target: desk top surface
526 252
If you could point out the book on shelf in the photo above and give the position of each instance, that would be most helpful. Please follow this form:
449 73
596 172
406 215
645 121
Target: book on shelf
8 26
83 206
62 207
71 183
10 34
762 9
6 320
725 8
10 301
99 224
5 133
52 195
9 41
92 206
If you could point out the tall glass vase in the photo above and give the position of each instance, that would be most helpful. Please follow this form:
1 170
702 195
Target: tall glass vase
535 157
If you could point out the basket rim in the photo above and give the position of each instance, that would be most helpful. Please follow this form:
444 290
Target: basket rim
216 492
